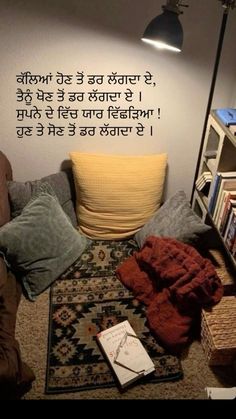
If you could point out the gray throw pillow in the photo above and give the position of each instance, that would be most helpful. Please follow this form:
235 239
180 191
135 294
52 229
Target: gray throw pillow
41 243
62 183
174 219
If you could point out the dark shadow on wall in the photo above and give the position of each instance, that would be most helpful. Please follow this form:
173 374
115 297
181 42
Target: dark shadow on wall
125 18
66 165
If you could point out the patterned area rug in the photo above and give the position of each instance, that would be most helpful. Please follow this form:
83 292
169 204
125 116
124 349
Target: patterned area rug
89 298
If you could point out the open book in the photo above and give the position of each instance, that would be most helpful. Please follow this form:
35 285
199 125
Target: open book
125 353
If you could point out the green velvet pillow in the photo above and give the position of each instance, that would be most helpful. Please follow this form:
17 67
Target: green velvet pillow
174 219
41 243
62 184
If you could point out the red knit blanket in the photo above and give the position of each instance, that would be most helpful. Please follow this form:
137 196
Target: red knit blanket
175 282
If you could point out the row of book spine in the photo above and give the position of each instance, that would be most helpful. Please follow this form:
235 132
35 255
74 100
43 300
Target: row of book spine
203 182
222 207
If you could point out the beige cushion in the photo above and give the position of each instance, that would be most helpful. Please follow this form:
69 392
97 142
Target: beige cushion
116 194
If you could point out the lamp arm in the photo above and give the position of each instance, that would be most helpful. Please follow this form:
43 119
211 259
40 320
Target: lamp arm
174 6
211 93
228 3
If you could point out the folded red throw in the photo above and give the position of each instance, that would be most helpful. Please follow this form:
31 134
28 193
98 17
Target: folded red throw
175 282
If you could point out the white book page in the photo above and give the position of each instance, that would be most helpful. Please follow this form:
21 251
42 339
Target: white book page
133 355
139 363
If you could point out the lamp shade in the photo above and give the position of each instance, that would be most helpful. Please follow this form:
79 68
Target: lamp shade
165 31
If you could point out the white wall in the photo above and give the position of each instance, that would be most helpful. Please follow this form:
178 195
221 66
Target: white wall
101 36
225 90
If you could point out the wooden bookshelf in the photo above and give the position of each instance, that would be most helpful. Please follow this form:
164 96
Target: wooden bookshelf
219 158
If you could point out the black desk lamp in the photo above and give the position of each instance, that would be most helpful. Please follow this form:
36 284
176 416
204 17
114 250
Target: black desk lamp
165 31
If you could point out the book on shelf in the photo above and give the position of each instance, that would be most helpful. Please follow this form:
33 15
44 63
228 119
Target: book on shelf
231 230
125 353
227 116
217 186
203 182
230 202
226 184
222 204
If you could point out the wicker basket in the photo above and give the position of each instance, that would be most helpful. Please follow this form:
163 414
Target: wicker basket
218 332
223 270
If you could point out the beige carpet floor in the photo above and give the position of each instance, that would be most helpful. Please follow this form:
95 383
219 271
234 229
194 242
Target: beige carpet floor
32 334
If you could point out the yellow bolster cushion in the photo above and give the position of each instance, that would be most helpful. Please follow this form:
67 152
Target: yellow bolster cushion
116 194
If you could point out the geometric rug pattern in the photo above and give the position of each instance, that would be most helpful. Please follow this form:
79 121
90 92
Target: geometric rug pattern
89 298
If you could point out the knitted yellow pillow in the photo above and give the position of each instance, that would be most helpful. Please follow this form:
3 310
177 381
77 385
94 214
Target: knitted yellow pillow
116 194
